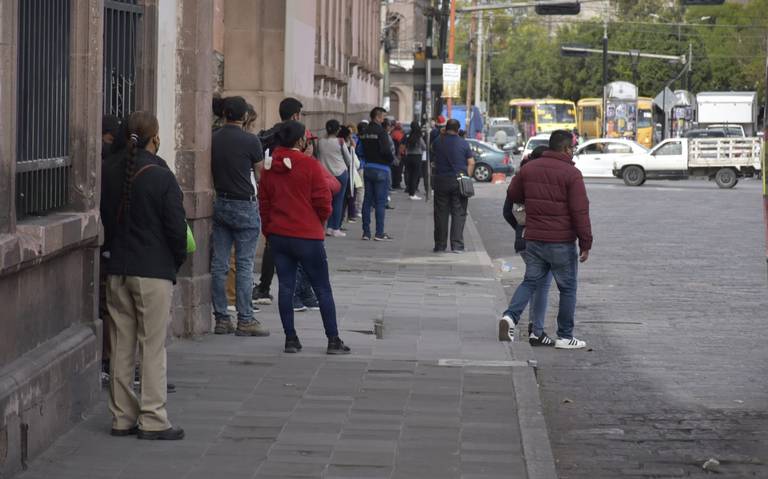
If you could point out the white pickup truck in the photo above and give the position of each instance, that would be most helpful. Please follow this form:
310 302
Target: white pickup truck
724 160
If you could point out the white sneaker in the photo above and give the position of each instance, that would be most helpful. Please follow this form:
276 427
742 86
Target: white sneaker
570 343
338 233
416 197
506 329
329 232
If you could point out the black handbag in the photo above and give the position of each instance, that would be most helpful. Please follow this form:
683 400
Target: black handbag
466 186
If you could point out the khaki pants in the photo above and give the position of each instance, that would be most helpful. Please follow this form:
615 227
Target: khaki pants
140 310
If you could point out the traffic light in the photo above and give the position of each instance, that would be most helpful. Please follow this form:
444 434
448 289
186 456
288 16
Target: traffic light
558 8
703 2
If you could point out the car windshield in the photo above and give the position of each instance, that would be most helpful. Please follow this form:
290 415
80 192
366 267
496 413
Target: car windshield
508 129
534 143
556 113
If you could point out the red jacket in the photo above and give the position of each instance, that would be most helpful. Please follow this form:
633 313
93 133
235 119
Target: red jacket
294 196
556 203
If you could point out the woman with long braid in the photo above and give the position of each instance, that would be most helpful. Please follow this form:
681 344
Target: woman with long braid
145 234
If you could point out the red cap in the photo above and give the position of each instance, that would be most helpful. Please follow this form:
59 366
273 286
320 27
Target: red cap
441 120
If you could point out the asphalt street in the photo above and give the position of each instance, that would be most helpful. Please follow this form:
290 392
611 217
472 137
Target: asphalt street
672 304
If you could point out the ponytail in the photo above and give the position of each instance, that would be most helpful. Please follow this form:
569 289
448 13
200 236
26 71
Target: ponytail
142 127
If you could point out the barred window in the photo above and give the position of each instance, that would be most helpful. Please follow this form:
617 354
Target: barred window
121 39
43 106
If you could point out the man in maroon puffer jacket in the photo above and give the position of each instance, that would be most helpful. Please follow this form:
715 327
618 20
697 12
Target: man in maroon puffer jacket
557 214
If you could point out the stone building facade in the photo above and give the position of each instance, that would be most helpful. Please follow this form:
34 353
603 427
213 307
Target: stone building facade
63 64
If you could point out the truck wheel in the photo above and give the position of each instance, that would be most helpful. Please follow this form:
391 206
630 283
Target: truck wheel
633 176
726 178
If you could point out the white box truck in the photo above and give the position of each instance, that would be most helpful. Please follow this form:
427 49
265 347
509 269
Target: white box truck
728 108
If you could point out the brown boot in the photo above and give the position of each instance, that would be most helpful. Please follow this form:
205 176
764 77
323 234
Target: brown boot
251 328
224 327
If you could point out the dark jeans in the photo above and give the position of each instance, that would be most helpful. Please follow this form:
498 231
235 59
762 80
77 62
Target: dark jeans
413 173
397 174
237 222
310 254
303 289
538 311
562 260
449 203
334 222
376 192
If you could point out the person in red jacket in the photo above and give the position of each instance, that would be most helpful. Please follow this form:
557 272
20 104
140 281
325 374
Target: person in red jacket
295 202
557 214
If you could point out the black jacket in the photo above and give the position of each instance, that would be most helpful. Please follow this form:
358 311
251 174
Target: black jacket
519 229
376 145
151 241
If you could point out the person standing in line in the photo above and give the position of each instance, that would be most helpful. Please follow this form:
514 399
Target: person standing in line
334 156
346 134
289 109
557 214
235 155
398 136
145 235
538 308
379 156
453 158
415 148
295 203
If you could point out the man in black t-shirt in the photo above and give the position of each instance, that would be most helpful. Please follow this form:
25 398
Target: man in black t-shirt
235 154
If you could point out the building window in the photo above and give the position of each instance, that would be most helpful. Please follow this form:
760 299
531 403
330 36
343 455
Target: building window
122 22
42 116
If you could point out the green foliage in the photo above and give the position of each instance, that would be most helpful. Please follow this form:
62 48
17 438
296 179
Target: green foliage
526 60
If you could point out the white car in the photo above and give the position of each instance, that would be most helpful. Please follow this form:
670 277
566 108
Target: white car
596 158
534 142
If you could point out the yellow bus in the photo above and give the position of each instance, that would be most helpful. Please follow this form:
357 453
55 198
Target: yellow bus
542 115
645 121
590 117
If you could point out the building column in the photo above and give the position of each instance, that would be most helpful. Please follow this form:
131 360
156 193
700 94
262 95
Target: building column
192 163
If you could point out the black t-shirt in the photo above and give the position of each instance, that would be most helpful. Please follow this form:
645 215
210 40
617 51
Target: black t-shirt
234 152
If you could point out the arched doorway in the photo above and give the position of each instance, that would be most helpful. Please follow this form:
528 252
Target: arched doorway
394 105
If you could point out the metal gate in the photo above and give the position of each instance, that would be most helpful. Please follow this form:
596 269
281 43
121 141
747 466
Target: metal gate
122 23
42 116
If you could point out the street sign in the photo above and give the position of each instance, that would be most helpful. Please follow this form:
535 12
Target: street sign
451 80
665 100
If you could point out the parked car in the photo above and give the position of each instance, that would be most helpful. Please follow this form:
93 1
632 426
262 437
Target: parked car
504 135
489 160
535 141
595 158
731 131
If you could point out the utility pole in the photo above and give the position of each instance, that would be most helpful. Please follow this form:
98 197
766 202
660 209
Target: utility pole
451 44
479 61
765 155
470 72
428 101
605 74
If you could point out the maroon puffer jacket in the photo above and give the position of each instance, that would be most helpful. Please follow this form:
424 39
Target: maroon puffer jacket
556 203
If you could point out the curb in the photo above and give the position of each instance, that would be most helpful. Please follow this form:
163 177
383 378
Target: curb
537 450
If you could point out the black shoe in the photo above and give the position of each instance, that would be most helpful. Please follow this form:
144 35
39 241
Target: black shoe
457 251
170 434
337 346
312 304
438 250
260 297
170 387
384 237
124 432
542 340
390 207
292 345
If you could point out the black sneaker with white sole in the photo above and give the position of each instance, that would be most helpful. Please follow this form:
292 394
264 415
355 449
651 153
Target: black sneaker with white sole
542 340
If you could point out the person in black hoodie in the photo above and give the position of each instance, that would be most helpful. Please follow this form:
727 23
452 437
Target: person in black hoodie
379 156
145 237
538 308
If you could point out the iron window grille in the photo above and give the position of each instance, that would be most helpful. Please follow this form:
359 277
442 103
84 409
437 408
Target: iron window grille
122 23
43 166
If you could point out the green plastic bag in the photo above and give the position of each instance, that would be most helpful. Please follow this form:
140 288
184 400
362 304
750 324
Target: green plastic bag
191 245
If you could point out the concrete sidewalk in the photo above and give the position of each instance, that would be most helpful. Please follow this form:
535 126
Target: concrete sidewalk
436 397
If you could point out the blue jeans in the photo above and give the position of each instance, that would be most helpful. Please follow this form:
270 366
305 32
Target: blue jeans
238 222
562 260
538 311
376 192
310 254
334 222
